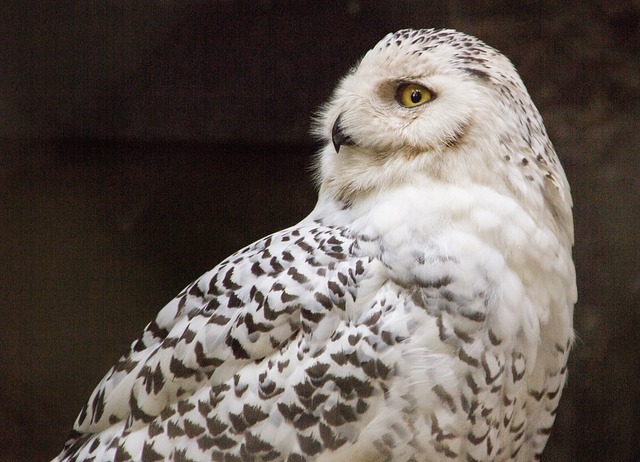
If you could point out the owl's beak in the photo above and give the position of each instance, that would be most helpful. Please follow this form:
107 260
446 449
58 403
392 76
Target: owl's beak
338 136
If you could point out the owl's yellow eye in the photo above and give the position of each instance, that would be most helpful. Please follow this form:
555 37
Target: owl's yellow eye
412 95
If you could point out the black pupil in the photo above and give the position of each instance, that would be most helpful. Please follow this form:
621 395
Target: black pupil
416 96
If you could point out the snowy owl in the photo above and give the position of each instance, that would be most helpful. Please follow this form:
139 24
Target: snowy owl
421 312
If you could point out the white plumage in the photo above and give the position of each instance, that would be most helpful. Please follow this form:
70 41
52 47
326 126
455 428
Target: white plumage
422 311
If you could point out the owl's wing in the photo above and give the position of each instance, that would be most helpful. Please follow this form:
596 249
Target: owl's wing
246 308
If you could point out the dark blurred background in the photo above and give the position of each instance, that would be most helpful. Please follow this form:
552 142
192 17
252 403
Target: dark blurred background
143 141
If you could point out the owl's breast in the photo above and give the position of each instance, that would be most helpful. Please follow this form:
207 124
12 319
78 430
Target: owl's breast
482 293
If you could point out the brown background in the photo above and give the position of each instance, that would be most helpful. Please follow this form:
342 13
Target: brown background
143 141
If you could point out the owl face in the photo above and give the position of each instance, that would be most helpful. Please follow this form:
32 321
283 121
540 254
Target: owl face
398 101
434 105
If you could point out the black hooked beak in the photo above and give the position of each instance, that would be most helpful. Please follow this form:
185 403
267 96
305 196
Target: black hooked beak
338 136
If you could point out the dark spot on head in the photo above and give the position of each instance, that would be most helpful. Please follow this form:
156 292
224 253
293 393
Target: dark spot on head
478 73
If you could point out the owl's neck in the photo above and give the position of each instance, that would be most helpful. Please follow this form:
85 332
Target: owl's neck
420 212
458 218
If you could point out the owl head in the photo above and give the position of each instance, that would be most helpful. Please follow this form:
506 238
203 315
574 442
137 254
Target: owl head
435 105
